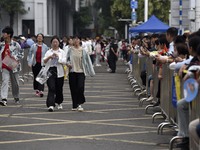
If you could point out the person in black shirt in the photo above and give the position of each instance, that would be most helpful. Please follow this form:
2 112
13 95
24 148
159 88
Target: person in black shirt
113 56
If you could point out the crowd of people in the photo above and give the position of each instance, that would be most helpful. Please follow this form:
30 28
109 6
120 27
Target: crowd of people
60 60
73 58
181 52
69 58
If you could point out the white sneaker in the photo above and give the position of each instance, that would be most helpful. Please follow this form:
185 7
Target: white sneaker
74 109
51 109
79 108
108 69
60 106
3 102
150 99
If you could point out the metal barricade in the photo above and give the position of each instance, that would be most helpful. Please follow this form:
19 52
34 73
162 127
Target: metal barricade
194 113
149 71
134 82
166 99
25 73
155 90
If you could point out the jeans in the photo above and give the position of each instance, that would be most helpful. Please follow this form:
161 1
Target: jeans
14 78
183 117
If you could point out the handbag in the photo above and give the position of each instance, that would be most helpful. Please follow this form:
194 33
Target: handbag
43 75
10 62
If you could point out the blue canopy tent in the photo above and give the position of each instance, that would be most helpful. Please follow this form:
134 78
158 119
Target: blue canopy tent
151 25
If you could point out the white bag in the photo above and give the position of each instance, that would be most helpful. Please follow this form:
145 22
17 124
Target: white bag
43 75
10 62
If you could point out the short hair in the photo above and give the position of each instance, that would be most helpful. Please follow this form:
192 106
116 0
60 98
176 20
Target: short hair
172 32
8 30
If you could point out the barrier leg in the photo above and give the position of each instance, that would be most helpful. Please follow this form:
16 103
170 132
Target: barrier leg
135 86
137 91
133 82
166 124
142 93
172 141
141 101
150 106
158 114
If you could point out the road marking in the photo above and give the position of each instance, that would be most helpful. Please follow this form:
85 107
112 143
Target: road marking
59 112
90 137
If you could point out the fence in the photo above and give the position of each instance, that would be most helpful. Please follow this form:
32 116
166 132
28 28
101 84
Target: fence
167 110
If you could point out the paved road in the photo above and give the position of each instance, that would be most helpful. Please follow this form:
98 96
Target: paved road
112 119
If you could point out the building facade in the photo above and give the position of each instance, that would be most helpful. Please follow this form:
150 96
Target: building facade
194 15
50 17
185 14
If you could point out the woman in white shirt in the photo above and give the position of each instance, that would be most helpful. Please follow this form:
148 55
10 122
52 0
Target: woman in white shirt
55 58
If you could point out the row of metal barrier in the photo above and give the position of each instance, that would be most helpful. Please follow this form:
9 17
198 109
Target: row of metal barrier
166 108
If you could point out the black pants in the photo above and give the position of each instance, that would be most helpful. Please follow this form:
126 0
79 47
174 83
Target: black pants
159 89
77 88
143 75
55 88
92 58
36 85
112 63
124 54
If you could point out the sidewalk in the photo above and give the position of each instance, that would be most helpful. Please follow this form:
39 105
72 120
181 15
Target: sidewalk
112 119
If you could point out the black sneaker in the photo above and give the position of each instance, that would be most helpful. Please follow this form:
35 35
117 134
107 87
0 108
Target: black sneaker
16 100
3 102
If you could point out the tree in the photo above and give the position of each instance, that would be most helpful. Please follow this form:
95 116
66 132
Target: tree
121 9
12 7
103 15
159 8
112 10
82 19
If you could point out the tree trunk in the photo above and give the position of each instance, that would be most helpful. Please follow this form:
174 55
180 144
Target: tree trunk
11 19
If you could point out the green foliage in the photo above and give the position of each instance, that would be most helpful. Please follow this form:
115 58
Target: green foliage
109 11
12 7
104 18
121 9
159 8
82 19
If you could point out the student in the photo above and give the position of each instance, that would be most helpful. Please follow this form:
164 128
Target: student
55 58
80 65
13 50
35 61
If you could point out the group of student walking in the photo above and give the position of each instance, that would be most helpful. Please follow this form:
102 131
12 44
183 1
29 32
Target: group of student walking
73 56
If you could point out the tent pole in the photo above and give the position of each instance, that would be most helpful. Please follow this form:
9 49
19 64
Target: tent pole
146 10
